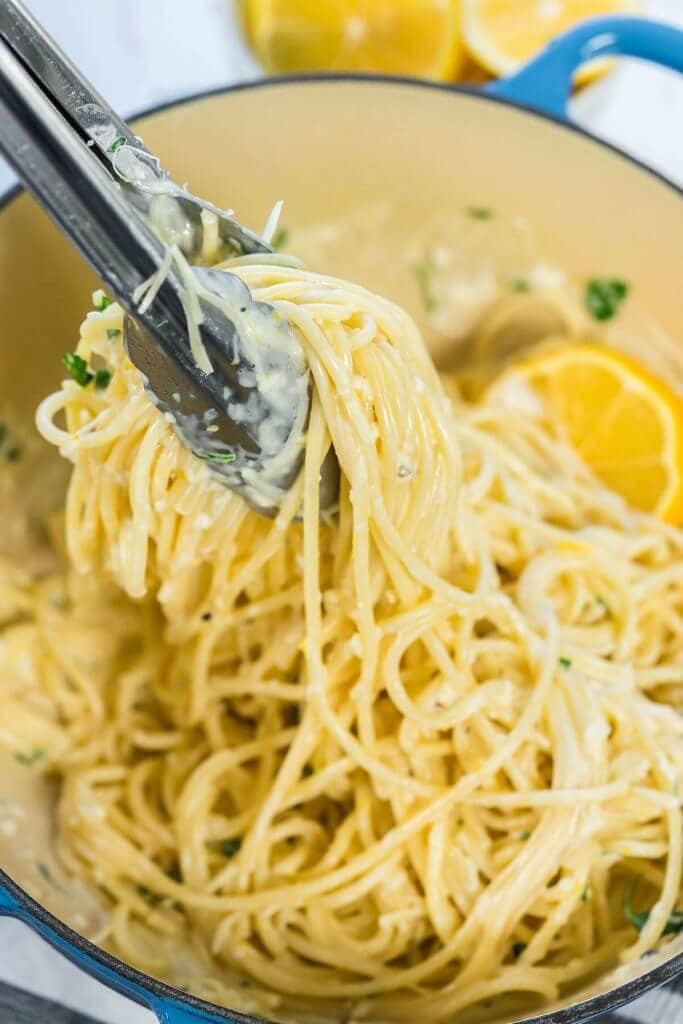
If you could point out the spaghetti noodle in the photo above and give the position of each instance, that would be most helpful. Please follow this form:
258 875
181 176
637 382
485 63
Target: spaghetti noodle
393 765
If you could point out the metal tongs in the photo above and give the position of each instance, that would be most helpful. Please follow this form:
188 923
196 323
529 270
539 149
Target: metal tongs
243 407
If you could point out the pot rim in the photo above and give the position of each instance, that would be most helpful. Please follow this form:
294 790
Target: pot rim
478 93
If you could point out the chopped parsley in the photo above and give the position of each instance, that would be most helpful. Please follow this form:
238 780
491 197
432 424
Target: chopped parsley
524 836
604 295
673 926
424 272
216 456
229 847
280 238
13 453
113 332
602 603
584 896
32 757
77 368
82 374
520 284
45 872
518 948
566 663
100 300
116 144
479 212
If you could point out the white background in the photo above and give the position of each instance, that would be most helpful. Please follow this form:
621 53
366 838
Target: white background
140 52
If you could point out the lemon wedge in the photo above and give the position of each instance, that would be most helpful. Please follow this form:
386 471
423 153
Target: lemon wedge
501 35
626 423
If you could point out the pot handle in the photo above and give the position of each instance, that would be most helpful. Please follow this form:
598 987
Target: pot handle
545 82
166 1009
24 1007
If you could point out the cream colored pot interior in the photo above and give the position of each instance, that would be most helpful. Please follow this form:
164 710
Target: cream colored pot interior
387 157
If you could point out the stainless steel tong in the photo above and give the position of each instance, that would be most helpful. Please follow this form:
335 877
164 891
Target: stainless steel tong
243 405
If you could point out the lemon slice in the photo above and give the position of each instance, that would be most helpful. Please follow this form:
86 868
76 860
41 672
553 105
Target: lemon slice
502 35
626 423
408 37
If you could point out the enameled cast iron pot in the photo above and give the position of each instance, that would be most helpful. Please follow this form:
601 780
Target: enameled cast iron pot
328 145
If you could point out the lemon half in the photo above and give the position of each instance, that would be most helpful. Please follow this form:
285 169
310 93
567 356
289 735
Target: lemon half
408 37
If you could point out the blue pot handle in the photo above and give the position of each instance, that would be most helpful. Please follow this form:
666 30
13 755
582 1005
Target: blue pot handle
167 1010
545 82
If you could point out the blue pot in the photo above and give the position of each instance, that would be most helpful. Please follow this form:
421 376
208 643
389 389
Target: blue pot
372 136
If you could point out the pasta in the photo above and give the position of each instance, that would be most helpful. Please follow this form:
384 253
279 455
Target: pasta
398 763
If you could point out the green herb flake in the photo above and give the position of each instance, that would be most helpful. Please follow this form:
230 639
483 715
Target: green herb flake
280 239
479 212
673 926
518 948
148 895
102 379
584 896
566 663
520 284
100 300
225 457
45 872
524 836
113 332
77 368
13 453
424 272
604 295
30 758
116 144
230 847
602 603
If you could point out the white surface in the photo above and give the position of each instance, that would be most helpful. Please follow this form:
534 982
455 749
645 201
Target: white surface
154 50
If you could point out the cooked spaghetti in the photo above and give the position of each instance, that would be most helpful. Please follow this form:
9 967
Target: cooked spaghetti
394 764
